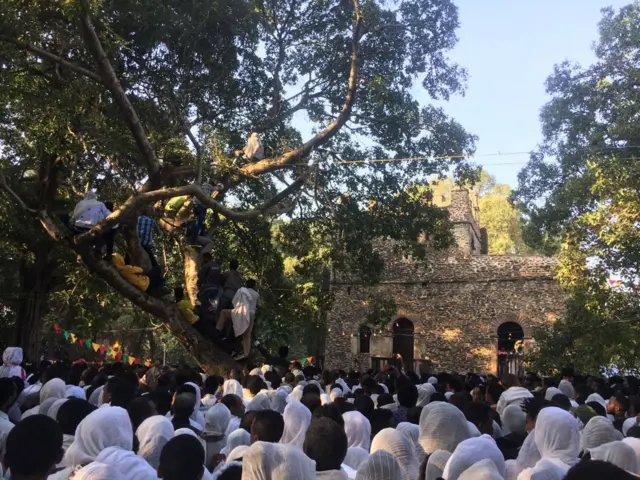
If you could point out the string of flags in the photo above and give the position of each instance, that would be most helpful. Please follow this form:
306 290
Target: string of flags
113 351
305 361
620 283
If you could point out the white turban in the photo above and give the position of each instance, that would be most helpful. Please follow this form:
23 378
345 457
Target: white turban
598 431
471 451
401 447
102 428
297 418
380 466
358 429
270 461
153 434
442 427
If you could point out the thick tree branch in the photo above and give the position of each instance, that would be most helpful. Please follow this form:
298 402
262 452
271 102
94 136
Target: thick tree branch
149 158
272 164
53 58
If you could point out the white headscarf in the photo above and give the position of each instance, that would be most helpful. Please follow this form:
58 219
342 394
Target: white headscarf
232 387
442 427
358 429
279 400
11 361
217 420
96 471
236 439
432 380
482 470
297 418
355 456
102 428
197 416
528 456
566 388
550 393
596 397
401 447
46 405
54 388
471 451
412 431
296 393
380 466
436 463
424 394
95 398
325 399
258 403
514 420
89 201
253 149
628 423
76 392
53 410
185 431
271 461
558 440
237 453
336 393
153 434
598 431
128 464
620 454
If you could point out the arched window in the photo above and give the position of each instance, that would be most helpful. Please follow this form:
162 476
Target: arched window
365 339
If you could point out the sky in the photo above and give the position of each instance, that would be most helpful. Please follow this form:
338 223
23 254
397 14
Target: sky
509 48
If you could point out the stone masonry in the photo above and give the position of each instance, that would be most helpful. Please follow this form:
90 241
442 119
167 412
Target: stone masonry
456 304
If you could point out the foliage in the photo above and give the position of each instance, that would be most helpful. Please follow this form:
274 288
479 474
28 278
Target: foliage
586 204
135 98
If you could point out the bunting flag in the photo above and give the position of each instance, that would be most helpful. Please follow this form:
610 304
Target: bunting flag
113 350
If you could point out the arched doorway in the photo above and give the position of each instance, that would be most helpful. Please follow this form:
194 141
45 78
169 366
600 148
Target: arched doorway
509 356
403 341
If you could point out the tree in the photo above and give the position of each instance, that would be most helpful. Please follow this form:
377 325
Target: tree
580 194
141 100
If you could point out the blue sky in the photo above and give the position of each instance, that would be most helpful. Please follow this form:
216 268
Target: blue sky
509 48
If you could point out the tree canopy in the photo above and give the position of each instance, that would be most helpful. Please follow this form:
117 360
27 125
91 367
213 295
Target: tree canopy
143 101
581 197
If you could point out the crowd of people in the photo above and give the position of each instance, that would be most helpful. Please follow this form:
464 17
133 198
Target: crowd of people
285 422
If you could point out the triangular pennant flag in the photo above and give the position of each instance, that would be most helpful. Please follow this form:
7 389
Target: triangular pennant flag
81 341
125 357
73 338
118 357
136 361
612 282
131 360
66 335
309 359
88 343
102 349
303 362
57 328
95 347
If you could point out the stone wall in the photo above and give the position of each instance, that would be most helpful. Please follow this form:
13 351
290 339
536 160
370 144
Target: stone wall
456 306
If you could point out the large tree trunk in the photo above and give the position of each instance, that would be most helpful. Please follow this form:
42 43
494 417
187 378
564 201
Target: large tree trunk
35 286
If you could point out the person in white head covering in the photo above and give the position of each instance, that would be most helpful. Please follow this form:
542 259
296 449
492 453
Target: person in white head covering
325 399
95 398
620 454
633 443
482 470
436 463
197 416
335 393
214 434
237 453
598 431
514 420
53 410
102 428
596 397
253 150
256 371
355 456
271 461
46 405
566 388
185 431
11 363
279 400
432 380
401 447
77 392
424 394
128 464
514 393
380 466
442 427
258 403
296 422
153 434
412 432
550 393
296 394
236 439
558 440
471 451
232 387
628 423
54 389
358 429
96 471
528 456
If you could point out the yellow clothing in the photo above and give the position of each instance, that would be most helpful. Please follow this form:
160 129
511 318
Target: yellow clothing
185 307
132 274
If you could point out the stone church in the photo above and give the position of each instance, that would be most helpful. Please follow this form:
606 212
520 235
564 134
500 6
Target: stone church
467 311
